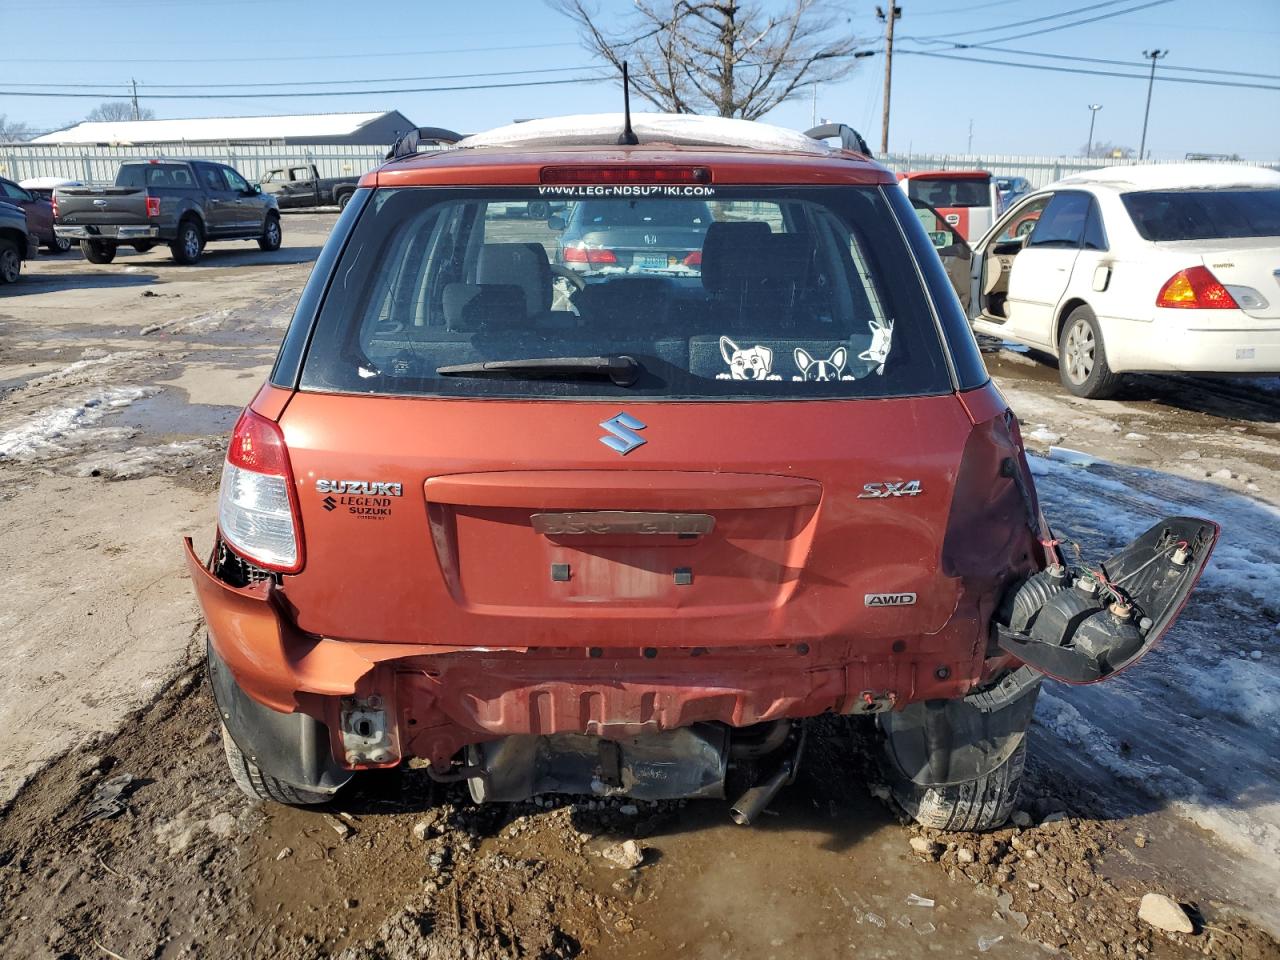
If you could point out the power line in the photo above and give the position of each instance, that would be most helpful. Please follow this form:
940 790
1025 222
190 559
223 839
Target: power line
1077 23
1021 23
311 93
1081 70
952 11
302 83
1114 63
325 56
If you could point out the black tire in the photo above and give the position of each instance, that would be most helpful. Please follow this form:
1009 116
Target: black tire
142 246
58 245
344 199
10 262
256 785
271 236
973 805
1082 357
538 209
97 251
188 244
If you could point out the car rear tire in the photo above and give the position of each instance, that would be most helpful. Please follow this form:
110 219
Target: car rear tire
343 200
256 785
271 236
1082 357
10 262
971 805
96 251
188 244
539 209
58 245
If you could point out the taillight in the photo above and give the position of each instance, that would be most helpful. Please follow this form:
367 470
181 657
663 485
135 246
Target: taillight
694 259
589 255
257 512
54 201
153 206
1195 288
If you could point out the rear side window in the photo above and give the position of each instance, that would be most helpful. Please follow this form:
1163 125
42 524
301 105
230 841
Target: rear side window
950 191
1204 214
1063 222
763 293
140 175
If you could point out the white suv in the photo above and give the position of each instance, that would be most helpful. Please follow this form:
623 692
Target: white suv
1143 268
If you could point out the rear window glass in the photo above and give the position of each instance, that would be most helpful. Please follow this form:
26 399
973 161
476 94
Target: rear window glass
153 175
950 191
1204 214
754 292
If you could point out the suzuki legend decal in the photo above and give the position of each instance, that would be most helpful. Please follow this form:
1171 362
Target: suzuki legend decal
363 499
889 599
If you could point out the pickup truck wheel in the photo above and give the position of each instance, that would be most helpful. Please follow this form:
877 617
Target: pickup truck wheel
186 246
343 200
58 245
257 785
96 251
271 237
538 209
971 805
10 262
1082 357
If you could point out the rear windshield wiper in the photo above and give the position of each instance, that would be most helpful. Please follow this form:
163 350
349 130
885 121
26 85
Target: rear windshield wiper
622 370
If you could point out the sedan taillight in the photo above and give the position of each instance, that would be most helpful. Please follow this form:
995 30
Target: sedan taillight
257 508
589 255
1195 288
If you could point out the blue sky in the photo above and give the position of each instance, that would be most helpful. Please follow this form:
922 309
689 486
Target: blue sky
1013 110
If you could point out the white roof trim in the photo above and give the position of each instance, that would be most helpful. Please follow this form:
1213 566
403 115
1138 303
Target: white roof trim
212 129
1173 176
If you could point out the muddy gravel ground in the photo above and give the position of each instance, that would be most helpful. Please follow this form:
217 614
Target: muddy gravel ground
121 834
139 846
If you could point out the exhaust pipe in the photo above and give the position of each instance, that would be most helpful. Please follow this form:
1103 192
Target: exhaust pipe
756 799
752 803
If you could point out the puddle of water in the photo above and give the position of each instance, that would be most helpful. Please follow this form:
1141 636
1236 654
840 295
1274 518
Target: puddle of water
162 417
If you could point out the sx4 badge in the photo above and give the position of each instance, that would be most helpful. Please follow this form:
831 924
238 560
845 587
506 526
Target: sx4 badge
878 491
364 499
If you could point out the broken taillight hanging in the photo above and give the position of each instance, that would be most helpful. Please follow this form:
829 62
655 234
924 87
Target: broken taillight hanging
257 505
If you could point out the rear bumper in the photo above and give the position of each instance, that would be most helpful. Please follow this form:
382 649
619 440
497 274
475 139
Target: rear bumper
439 699
1196 341
108 232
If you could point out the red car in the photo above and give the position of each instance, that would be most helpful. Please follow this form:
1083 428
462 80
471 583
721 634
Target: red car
969 199
618 532
39 215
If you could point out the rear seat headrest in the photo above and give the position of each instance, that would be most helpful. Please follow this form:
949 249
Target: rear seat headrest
469 307
731 254
523 265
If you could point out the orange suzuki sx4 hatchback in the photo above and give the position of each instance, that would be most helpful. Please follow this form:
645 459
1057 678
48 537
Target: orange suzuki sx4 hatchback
594 466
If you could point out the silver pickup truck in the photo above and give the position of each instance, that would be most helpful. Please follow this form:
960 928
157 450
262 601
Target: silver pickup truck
184 203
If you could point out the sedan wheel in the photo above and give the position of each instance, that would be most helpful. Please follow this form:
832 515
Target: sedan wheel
1082 357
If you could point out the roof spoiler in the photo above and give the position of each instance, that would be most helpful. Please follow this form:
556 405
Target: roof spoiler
850 139
414 140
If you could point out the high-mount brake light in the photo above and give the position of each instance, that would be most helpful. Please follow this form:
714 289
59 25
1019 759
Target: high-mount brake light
257 504
589 255
1195 288
620 174
153 206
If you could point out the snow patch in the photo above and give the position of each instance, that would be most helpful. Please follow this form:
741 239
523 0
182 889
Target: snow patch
1044 434
142 461
49 432
92 368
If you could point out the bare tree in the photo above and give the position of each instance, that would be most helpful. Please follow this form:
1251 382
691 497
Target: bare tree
114 110
13 131
1106 150
725 57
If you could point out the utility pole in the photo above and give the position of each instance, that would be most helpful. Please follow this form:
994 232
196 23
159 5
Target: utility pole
894 13
136 114
969 150
1153 56
1093 115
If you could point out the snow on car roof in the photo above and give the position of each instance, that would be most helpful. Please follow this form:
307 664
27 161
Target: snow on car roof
674 128
1175 176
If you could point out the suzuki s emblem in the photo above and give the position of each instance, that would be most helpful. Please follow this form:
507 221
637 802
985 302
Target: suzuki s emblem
623 437
878 491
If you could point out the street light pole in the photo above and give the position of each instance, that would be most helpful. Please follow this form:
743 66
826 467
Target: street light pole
1093 115
1153 56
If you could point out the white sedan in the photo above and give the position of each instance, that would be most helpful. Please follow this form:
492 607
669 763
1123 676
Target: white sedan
1145 268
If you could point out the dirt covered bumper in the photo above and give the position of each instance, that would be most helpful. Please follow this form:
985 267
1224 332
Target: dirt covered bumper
384 702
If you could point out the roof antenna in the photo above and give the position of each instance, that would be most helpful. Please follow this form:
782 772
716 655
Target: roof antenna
628 137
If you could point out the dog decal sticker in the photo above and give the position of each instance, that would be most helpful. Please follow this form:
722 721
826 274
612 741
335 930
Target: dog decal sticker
753 363
881 341
816 370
